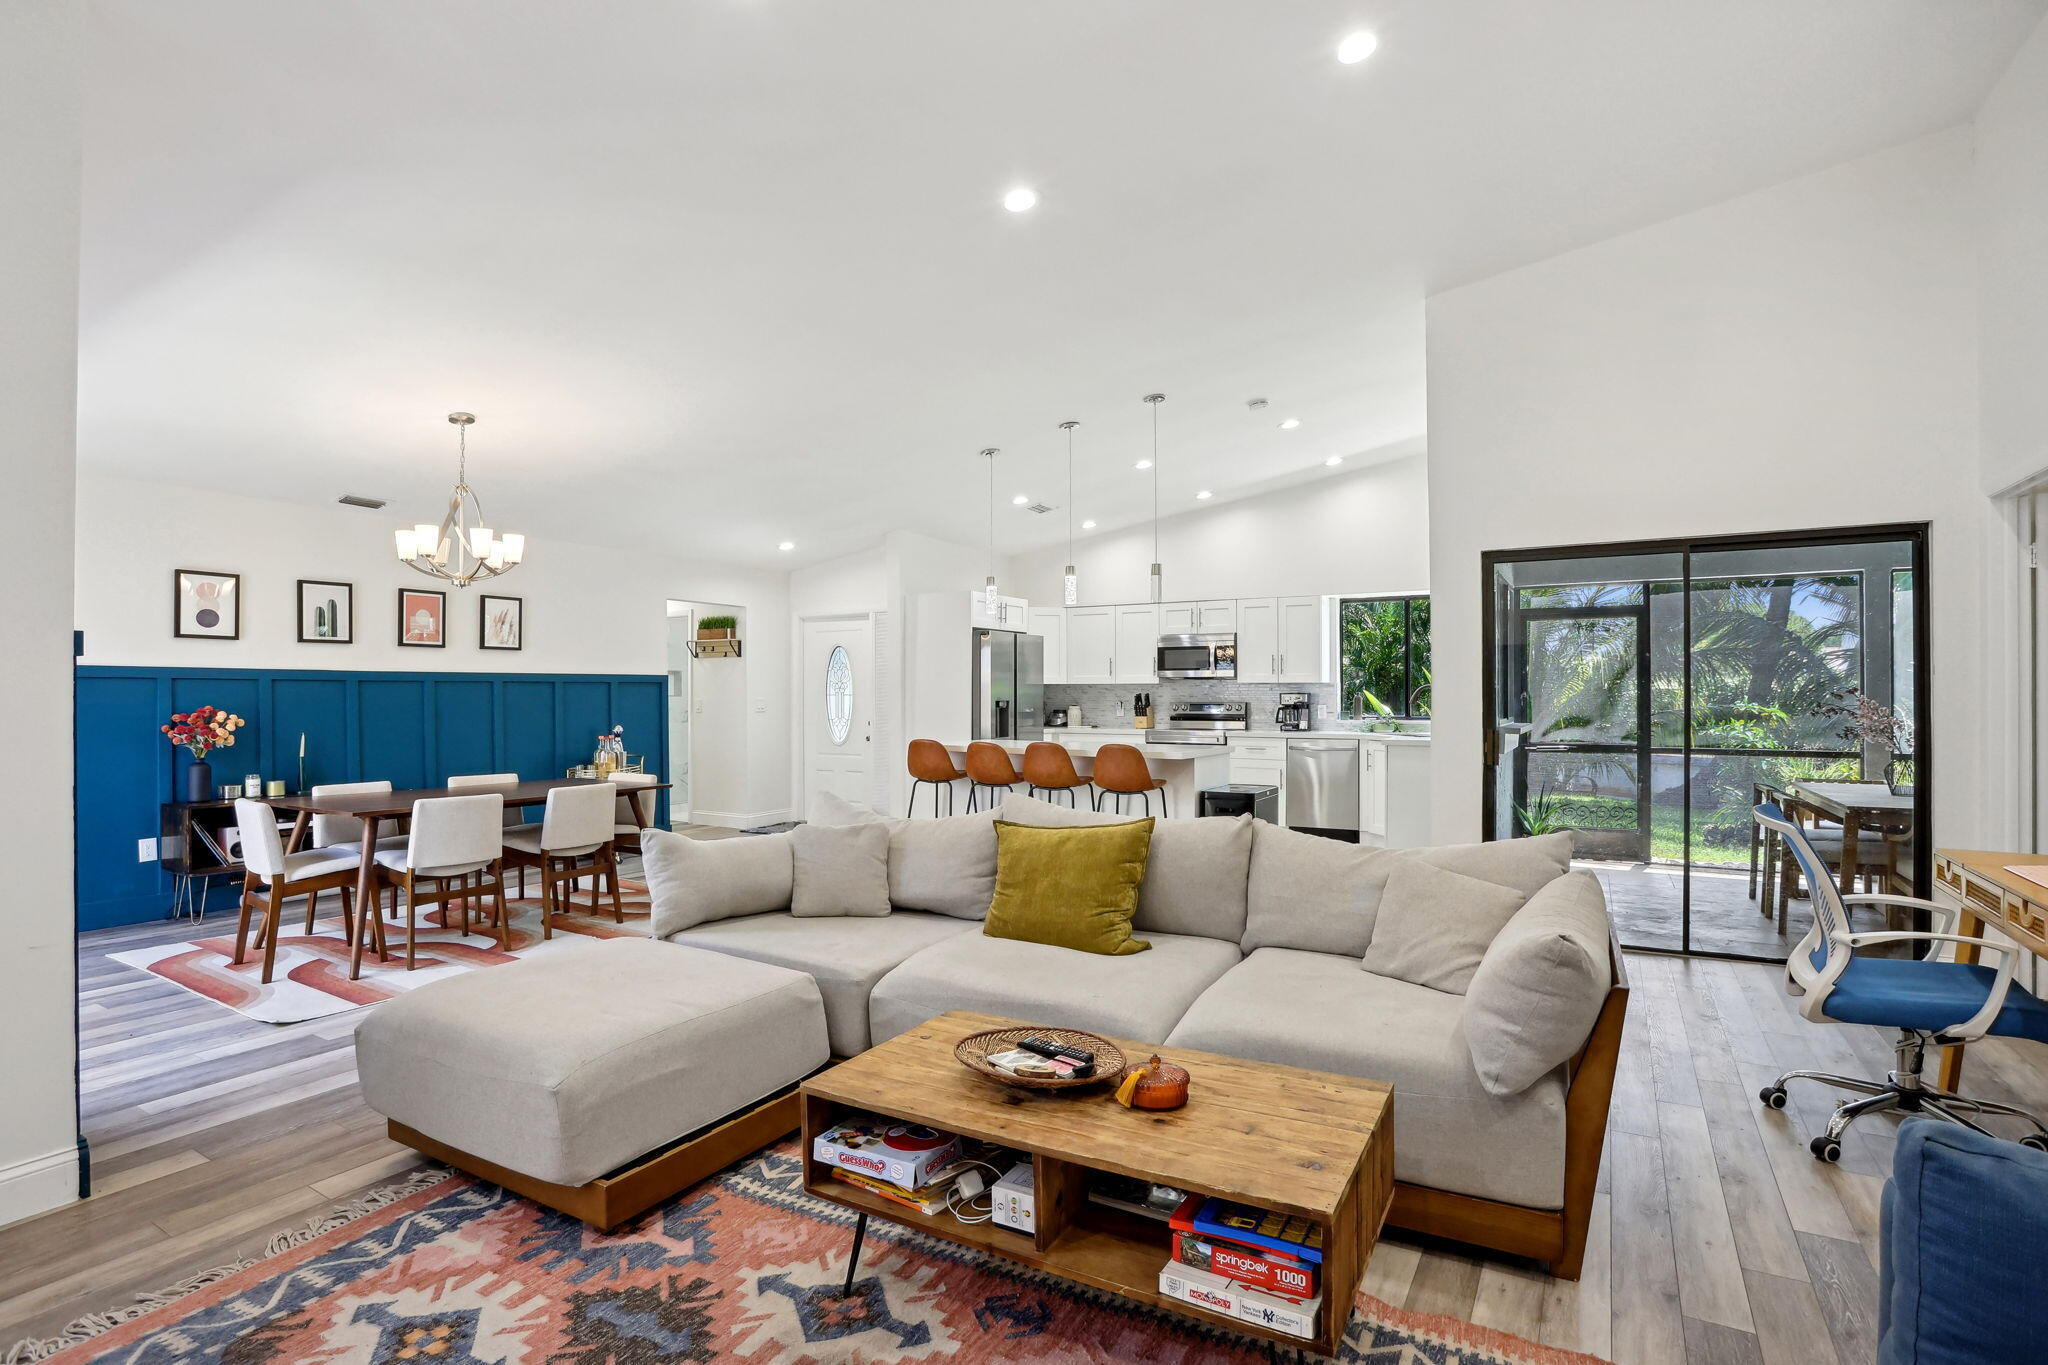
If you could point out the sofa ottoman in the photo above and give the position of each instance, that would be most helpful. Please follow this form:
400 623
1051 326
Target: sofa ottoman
600 1078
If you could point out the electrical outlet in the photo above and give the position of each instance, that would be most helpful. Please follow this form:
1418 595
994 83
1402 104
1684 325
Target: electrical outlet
145 850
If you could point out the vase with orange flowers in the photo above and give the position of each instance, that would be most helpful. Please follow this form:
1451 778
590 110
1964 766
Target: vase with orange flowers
199 733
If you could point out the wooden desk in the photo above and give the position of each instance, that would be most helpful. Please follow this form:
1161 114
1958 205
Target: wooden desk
372 807
1859 806
1987 895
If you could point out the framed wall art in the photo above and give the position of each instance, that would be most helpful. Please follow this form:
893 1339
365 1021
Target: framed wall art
327 612
500 622
422 618
206 605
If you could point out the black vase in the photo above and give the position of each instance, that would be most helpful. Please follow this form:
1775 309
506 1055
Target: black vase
199 781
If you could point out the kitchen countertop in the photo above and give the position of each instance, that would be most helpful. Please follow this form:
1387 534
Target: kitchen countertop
1386 737
1166 753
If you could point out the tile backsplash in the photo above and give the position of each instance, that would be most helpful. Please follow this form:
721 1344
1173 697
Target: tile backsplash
1099 702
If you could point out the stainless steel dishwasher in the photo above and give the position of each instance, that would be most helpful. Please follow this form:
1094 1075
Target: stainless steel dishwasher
1322 787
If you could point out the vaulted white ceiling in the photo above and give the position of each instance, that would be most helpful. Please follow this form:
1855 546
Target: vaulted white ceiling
720 273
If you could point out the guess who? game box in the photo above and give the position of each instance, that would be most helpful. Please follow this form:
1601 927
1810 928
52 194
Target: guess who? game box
904 1154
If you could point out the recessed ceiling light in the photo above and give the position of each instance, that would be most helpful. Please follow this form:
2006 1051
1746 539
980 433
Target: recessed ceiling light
1356 47
787 545
1021 199
1021 500
1142 464
1203 496
1290 424
1087 525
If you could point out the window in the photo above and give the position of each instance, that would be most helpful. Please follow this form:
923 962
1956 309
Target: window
1383 643
839 694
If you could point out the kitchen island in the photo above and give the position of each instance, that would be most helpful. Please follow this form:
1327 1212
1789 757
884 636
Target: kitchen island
1185 768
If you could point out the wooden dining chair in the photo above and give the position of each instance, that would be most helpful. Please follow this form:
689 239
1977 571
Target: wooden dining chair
573 836
344 832
271 875
454 853
634 811
1120 771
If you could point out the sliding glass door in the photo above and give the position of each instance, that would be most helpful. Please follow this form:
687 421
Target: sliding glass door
1644 697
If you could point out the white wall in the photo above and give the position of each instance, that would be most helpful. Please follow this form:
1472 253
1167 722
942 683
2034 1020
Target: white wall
2012 197
588 608
1805 356
852 583
1363 532
40 62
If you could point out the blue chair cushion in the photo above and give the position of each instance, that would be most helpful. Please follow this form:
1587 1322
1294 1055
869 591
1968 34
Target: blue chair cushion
1897 993
1965 1234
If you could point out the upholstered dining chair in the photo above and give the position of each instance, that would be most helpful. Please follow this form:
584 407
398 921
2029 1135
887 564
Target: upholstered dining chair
1931 1003
344 832
988 765
1048 767
930 762
454 853
1120 771
514 815
625 826
573 836
271 875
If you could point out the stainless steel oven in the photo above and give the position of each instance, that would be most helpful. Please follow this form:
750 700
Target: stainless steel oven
1197 656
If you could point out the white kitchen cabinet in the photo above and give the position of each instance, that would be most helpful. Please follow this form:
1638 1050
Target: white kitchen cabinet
1179 618
1011 613
1261 760
1091 645
1372 788
1304 643
1258 639
1050 624
1137 643
1216 617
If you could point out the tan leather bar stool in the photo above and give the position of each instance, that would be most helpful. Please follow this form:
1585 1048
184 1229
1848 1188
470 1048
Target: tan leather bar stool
929 762
1120 771
988 765
1048 767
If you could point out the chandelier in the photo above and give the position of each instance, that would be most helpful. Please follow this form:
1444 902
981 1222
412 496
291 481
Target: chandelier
461 549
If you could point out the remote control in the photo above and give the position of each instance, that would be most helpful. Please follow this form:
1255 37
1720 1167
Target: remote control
1077 1056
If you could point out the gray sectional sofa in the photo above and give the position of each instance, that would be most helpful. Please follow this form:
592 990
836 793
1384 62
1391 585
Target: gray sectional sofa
1479 980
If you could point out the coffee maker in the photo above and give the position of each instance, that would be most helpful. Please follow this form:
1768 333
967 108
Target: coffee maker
1295 712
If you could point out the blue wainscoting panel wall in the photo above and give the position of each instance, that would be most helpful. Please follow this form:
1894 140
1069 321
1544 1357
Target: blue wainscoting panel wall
412 729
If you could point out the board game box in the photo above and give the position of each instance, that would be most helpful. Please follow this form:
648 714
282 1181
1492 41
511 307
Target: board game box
1293 1237
904 1154
1254 1268
1206 1289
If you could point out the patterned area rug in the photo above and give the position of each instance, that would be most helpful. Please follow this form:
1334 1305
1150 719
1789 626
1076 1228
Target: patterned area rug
743 1268
311 976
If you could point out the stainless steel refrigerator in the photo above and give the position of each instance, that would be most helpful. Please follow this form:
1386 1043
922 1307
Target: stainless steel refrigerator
1009 685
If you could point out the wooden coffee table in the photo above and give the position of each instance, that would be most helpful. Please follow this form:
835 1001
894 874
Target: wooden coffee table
1277 1137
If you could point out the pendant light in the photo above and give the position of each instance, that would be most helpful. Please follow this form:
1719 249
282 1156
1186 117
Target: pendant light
989 595
1155 399
1070 583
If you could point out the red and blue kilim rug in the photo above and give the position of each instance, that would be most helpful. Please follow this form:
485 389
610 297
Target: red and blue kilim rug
743 1268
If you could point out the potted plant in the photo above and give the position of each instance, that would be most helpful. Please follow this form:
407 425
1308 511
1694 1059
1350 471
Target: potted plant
1883 737
199 733
718 628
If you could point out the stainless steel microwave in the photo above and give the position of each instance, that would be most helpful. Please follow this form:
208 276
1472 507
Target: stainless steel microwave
1196 656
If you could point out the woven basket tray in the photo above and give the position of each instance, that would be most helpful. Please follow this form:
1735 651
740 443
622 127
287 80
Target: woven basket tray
973 1052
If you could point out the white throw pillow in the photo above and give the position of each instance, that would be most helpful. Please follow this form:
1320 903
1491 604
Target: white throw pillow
839 870
1528 865
1540 986
946 866
695 881
1434 925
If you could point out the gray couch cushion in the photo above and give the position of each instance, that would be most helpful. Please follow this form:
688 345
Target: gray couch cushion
945 865
695 881
1527 865
839 870
846 954
1434 925
1318 1010
1196 875
1319 895
1139 996
1541 984
573 1063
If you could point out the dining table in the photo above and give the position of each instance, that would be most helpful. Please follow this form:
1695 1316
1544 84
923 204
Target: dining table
1859 806
372 809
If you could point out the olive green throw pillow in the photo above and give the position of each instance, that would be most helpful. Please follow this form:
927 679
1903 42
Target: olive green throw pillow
1069 886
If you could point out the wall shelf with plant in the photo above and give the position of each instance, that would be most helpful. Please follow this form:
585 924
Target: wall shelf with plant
718 637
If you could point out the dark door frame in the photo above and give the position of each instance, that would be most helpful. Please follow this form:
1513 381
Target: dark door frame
1914 533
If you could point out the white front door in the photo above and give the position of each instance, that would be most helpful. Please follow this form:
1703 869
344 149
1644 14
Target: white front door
837 709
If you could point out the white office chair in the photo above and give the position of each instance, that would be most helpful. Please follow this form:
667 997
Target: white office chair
278 874
455 842
578 826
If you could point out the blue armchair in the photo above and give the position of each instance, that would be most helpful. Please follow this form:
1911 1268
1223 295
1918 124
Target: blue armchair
1931 1003
1965 1238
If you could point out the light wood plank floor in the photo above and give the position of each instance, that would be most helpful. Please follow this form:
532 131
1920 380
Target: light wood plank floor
1717 1236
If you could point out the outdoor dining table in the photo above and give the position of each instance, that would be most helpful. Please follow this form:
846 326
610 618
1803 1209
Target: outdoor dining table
1859 806
373 807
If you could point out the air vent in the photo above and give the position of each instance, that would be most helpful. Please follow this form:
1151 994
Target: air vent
355 500
1037 507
